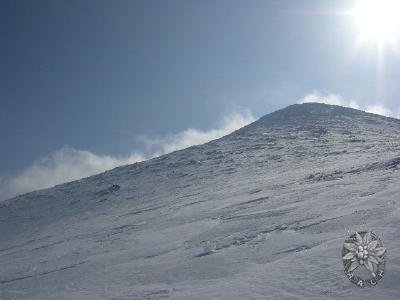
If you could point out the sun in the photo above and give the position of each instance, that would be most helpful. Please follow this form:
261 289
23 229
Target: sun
379 20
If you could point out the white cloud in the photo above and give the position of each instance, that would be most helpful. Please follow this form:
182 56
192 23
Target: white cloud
333 99
336 99
191 136
379 109
68 164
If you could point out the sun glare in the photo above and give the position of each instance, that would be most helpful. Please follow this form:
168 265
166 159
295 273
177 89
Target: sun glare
379 20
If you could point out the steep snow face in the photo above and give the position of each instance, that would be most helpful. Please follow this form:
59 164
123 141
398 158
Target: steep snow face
259 214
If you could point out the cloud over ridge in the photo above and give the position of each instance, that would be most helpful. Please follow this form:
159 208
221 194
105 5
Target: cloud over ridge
192 136
336 99
68 164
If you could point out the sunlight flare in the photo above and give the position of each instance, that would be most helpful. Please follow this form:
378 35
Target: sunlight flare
379 20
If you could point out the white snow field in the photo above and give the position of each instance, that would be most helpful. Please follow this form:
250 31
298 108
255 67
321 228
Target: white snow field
259 214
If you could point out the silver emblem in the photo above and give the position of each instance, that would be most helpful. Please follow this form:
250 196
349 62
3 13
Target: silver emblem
364 258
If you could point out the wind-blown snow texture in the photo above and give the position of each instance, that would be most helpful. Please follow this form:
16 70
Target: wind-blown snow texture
259 214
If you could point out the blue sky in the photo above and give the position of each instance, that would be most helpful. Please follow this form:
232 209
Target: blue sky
121 81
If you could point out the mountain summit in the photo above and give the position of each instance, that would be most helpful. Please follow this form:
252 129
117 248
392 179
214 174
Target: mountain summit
259 214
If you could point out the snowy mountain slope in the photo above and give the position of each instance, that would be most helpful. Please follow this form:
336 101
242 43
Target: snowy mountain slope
259 214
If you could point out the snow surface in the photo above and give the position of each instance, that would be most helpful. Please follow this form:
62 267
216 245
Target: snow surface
259 214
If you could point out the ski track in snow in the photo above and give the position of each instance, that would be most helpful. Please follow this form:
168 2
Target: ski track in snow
259 214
